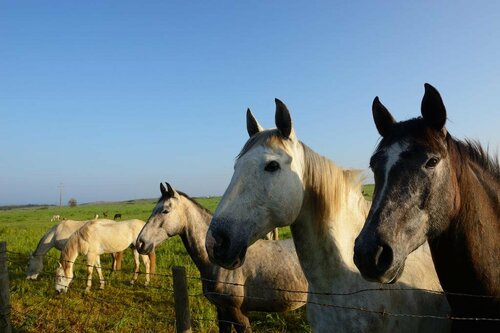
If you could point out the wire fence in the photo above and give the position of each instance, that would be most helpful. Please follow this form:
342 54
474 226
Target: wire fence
97 305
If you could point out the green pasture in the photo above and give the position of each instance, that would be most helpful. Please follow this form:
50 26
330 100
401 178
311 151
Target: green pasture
120 307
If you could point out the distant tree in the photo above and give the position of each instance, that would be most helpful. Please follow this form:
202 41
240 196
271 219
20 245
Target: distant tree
72 202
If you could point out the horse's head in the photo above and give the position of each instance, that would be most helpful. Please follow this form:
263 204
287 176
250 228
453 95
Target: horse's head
165 221
64 276
265 192
35 265
413 188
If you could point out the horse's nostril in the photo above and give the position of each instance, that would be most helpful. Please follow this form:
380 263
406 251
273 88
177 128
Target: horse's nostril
384 258
222 244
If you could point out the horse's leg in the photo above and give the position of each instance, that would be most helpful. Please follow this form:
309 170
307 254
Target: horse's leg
241 322
91 258
152 261
224 321
276 234
136 267
117 261
147 264
99 272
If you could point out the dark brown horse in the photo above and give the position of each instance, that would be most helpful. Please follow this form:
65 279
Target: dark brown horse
430 186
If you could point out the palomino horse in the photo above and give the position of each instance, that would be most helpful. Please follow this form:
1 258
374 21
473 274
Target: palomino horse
279 181
93 239
57 236
270 265
430 186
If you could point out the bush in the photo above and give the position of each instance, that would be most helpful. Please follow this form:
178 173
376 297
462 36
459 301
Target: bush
72 202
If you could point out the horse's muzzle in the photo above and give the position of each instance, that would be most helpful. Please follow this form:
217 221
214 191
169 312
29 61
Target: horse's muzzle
223 251
375 261
144 247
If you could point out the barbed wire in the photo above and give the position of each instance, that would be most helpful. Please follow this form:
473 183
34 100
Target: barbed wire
347 293
329 305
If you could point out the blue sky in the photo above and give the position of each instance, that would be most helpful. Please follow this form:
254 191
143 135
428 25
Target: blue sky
112 97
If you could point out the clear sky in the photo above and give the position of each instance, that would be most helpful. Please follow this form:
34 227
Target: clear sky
112 97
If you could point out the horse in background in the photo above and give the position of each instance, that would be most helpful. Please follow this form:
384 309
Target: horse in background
432 187
55 218
96 238
279 181
270 265
117 216
57 236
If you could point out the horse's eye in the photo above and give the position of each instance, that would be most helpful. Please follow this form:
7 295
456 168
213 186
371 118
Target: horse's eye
165 211
272 166
432 162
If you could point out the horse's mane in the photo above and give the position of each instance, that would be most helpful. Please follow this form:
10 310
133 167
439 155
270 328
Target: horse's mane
327 185
196 203
73 242
70 247
475 152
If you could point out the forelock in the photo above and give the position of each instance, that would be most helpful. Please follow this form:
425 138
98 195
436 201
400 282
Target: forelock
264 138
414 131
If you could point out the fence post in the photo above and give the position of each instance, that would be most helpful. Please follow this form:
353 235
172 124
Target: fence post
5 326
181 300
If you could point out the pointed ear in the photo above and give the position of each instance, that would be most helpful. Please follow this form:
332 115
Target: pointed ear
171 191
433 110
382 117
253 125
59 264
283 119
163 190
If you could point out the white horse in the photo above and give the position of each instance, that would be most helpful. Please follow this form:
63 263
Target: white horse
279 181
55 218
255 286
57 236
93 239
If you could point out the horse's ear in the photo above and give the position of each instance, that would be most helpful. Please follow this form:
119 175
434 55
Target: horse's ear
59 264
433 110
382 117
283 119
253 125
171 191
163 190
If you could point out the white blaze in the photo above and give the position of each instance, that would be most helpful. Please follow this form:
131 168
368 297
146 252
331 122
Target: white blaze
393 154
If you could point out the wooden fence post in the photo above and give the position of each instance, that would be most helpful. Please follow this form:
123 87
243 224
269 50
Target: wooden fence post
5 326
181 300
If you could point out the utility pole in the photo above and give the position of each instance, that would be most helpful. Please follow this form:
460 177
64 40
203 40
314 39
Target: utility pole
61 186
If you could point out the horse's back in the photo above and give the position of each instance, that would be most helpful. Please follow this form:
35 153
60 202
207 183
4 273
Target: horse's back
108 236
64 230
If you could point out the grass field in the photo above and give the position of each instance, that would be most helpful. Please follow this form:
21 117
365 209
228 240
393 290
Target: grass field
120 307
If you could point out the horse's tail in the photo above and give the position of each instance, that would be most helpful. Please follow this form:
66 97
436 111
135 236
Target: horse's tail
152 262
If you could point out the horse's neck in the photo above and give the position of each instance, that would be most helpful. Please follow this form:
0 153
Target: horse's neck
194 234
70 253
45 243
469 247
325 243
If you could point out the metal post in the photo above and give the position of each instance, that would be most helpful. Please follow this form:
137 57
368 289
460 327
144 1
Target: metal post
181 300
60 194
5 325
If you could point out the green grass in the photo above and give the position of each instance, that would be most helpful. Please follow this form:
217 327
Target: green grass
120 307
